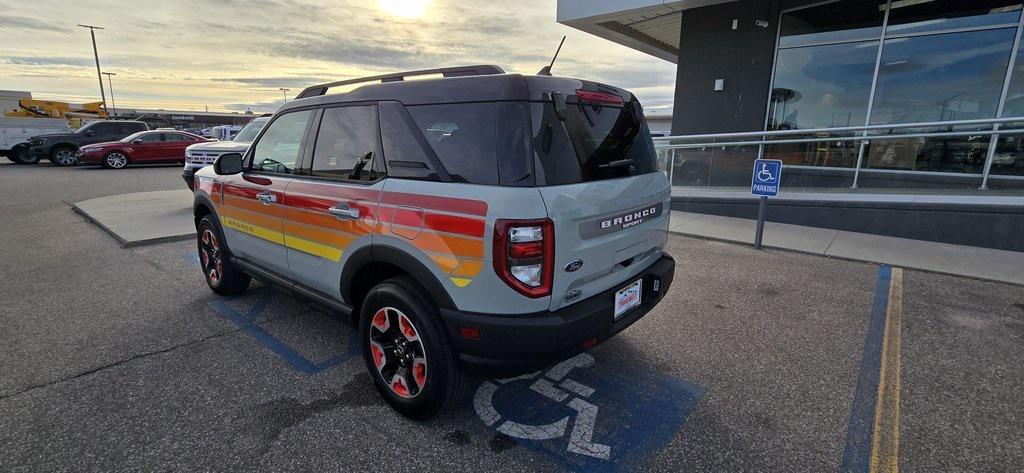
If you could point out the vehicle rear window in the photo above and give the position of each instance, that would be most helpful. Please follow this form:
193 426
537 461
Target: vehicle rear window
591 142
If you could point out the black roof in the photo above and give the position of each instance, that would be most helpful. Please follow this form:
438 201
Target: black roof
476 88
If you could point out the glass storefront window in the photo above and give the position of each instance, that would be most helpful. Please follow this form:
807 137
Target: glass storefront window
1008 159
956 154
822 86
847 20
916 16
952 76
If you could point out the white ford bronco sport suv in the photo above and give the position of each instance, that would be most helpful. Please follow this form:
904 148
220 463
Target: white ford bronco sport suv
481 221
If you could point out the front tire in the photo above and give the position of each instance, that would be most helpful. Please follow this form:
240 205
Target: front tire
63 156
407 351
21 154
115 160
221 274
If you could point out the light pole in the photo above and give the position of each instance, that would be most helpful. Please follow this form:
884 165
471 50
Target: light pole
110 86
92 32
284 91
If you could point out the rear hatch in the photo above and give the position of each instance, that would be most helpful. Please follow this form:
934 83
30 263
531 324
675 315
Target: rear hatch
596 164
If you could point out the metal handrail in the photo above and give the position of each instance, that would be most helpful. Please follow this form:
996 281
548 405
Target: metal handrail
979 121
838 138
862 136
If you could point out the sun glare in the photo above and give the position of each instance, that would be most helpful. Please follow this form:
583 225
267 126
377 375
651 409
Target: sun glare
405 8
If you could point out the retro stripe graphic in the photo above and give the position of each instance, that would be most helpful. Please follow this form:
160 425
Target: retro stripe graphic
449 231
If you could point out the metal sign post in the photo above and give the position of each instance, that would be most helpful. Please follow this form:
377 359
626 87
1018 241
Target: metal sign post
765 183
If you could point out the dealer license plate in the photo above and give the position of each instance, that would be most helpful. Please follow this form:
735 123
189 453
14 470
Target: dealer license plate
627 298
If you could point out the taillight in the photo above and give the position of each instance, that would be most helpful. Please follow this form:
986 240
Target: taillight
524 253
598 97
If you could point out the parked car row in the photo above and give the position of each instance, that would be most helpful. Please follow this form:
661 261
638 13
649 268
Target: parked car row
116 144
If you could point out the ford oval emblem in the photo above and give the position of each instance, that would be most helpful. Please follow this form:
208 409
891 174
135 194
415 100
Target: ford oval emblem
573 265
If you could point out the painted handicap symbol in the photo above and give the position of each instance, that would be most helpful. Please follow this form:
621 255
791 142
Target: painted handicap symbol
581 436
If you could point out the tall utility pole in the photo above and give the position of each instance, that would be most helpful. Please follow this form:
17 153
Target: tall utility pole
110 86
284 91
92 32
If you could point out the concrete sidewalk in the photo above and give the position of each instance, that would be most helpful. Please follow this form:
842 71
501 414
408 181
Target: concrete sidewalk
142 218
981 263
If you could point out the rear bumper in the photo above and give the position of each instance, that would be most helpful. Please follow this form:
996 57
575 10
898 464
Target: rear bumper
511 344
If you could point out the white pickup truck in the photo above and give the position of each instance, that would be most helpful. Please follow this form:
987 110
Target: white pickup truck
16 131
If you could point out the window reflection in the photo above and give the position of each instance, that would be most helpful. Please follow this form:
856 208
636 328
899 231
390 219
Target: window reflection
960 154
1008 159
953 76
832 22
822 86
915 16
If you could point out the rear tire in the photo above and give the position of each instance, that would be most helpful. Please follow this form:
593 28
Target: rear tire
434 379
63 156
220 273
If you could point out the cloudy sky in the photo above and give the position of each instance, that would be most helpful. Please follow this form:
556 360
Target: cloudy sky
235 54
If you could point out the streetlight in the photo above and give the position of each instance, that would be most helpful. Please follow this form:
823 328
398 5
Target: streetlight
284 91
92 32
110 86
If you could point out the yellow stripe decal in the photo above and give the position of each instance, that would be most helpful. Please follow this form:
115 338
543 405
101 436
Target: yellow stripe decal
885 443
254 230
461 282
313 248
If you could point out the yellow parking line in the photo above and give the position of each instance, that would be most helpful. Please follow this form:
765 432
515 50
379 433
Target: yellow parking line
885 443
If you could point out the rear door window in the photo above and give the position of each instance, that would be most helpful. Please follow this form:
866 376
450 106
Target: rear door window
463 137
591 141
346 143
279 146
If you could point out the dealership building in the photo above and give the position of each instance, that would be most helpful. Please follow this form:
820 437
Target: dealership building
896 117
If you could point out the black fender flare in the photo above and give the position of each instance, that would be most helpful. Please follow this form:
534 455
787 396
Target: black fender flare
399 258
204 201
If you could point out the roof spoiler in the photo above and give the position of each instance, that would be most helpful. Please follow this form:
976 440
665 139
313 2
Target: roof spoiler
459 71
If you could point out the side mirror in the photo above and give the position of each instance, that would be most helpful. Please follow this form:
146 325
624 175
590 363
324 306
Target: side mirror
137 141
90 133
228 163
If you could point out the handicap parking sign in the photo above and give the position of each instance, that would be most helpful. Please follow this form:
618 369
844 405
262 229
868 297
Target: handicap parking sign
767 177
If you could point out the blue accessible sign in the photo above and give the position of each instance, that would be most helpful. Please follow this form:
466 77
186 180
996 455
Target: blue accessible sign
767 177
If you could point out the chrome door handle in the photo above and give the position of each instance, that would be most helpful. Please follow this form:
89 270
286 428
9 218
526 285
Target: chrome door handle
344 212
266 197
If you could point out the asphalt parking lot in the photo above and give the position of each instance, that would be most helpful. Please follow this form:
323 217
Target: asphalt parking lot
122 359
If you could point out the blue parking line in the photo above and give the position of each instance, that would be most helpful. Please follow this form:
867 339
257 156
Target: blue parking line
247 322
857 454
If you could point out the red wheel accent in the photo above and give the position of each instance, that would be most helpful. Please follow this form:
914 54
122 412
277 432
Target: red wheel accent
378 355
407 328
419 373
380 320
399 387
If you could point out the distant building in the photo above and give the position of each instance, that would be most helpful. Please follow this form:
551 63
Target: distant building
182 119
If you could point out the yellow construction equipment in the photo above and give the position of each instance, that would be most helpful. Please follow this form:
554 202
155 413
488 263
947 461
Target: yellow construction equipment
53 109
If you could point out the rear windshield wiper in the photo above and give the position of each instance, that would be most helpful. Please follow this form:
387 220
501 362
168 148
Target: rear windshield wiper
617 164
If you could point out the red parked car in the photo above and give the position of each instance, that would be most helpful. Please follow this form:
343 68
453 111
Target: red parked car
144 147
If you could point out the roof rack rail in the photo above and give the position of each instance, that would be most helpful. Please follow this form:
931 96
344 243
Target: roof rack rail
458 71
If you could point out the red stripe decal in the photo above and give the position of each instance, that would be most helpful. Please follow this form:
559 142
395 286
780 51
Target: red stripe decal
447 204
332 191
455 224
